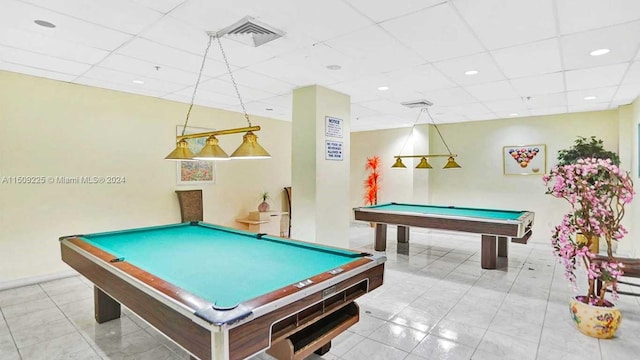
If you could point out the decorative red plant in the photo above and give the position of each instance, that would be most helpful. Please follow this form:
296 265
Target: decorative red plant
371 184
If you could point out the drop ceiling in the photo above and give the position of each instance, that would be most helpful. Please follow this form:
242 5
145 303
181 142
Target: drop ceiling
532 57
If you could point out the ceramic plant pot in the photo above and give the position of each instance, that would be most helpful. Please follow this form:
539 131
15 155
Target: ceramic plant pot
264 206
596 321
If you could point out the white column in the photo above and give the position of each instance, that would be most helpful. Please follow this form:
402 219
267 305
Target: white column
320 172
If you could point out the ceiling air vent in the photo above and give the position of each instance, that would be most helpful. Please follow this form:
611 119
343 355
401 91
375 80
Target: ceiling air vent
422 103
249 31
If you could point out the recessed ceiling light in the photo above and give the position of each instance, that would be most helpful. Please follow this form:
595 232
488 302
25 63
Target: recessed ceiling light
471 72
383 88
139 82
514 114
334 67
590 97
599 52
44 23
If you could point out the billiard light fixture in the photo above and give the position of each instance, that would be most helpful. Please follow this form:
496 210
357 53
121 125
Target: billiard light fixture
249 149
424 163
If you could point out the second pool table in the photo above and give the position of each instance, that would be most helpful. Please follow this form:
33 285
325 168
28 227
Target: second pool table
222 293
494 226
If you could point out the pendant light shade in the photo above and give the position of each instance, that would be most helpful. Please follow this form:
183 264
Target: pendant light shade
398 164
181 152
424 164
451 164
212 151
250 149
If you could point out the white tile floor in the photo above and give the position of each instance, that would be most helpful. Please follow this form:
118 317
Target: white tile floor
436 303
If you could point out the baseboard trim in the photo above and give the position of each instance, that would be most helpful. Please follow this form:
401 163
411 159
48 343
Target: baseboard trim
4 285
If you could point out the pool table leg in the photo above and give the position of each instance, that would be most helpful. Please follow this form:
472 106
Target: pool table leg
488 252
381 237
403 234
503 249
324 349
105 308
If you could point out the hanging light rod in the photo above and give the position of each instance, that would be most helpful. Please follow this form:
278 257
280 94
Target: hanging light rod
424 164
249 149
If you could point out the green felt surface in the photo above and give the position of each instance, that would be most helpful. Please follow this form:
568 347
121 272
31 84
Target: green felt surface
223 267
449 210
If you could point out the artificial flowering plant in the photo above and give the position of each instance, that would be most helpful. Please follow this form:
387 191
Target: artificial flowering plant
597 190
371 183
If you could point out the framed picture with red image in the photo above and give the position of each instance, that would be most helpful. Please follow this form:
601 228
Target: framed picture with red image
524 159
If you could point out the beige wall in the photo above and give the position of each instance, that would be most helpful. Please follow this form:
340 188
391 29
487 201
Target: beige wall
51 128
395 184
480 182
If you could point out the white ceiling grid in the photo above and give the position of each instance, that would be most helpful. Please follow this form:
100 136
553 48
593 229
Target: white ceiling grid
532 56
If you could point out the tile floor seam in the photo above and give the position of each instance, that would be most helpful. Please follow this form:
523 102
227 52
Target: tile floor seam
78 329
499 306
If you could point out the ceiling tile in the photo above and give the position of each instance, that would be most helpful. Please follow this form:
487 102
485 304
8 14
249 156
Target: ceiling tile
36 72
466 109
374 48
536 58
384 10
537 85
259 108
164 6
479 117
252 79
548 110
43 62
521 21
147 69
437 33
507 106
626 92
385 106
512 115
633 74
118 87
226 87
358 110
281 103
121 15
595 77
449 97
39 43
483 63
304 67
126 79
580 15
205 97
546 100
162 55
622 40
492 91
21 15
590 107
577 98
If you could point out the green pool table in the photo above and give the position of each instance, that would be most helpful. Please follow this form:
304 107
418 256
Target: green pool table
222 293
493 225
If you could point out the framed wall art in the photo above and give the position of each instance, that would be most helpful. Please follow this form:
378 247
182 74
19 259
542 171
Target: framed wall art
195 172
524 159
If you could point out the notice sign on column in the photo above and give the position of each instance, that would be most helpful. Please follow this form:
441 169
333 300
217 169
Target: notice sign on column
333 126
333 150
